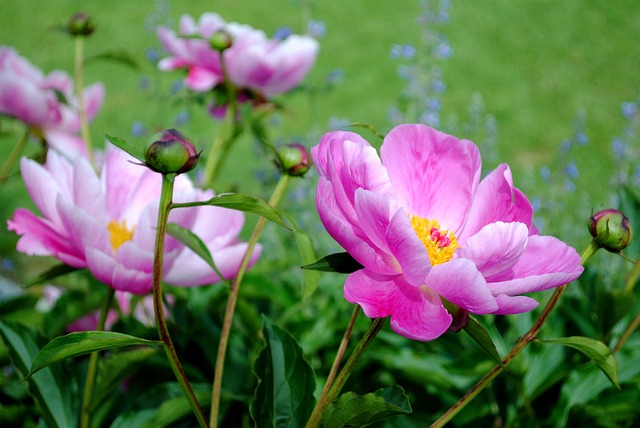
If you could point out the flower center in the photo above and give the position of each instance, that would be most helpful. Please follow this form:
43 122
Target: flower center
440 244
119 233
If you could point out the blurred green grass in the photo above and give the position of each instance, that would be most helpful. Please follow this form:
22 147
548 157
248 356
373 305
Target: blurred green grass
536 65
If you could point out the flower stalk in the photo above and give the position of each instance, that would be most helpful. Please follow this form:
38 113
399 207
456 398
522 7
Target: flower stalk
85 417
226 134
166 196
82 112
278 192
341 379
527 338
13 156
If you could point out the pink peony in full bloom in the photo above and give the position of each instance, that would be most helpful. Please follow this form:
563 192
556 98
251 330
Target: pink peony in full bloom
47 104
253 62
107 223
426 228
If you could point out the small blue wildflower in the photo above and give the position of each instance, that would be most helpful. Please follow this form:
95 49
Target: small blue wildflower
316 29
395 115
430 118
138 129
408 51
143 82
565 146
545 173
539 223
176 86
619 148
437 84
404 71
282 33
443 13
152 55
434 104
572 170
569 186
396 51
335 76
629 109
182 118
444 49
581 138
536 202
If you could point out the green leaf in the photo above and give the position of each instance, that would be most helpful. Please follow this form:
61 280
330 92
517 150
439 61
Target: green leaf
284 395
478 333
192 241
352 410
307 255
54 390
338 262
236 201
113 55
117 367
49 274
597 351
136 152
83 342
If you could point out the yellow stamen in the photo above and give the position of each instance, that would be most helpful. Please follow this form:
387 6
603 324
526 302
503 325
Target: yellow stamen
119 233
440 244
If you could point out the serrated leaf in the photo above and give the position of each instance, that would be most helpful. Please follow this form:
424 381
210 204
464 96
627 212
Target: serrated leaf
238 202
482 338
597 351
193 242
83 342
121 56
352 410
49 274
136 152
284 395
51 388
338 262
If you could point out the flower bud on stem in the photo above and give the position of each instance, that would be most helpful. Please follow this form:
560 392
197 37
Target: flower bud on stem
166 196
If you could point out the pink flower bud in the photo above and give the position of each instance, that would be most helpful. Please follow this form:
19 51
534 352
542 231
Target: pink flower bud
294 159
172 154
611 230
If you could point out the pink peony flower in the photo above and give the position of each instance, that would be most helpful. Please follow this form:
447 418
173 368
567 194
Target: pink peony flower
426 228
107 223
45 103
254 62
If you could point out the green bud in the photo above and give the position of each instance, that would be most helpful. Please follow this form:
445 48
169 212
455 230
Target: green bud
172 154
220 40
611 230
294 159
81 24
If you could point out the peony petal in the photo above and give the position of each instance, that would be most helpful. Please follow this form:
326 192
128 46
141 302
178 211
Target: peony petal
350 237
93 98
415 314
496 247
514 304
497 200
460 283
407 249
546 262
434 175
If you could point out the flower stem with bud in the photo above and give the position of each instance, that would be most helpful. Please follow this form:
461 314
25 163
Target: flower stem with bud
161 323
82 112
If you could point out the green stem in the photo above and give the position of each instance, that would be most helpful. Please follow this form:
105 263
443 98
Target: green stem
79 75
225 135
633 278
627 333
158 306
518 347
233 298
316 416
93 363
13 156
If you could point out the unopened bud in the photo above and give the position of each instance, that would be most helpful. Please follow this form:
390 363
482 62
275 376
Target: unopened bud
81 24
220 40
172 154
294 159
611 230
